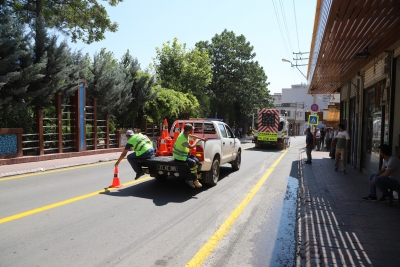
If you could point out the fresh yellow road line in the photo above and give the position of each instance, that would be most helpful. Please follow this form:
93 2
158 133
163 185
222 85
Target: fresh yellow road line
61 203
53 171
209 246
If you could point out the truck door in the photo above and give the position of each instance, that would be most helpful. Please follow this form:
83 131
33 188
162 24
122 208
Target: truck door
226 144
233 141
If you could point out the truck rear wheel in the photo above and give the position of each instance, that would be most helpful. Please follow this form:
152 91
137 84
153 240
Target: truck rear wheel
212 176
237 161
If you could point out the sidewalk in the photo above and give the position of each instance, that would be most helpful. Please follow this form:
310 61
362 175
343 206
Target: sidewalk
336 228
30 167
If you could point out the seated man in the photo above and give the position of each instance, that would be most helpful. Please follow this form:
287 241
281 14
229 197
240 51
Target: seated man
387 178
143 148
181 151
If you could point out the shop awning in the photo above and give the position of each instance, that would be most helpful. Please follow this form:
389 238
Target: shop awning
348 36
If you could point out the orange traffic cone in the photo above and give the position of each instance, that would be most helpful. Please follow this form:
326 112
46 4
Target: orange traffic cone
116 183
165 129
183 127
163 141
177 132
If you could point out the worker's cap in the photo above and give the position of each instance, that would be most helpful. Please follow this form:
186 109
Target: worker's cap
129 132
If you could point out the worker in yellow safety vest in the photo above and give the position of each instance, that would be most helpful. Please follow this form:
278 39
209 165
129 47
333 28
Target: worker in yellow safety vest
181 151
143 148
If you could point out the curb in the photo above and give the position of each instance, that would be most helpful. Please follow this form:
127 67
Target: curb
43 169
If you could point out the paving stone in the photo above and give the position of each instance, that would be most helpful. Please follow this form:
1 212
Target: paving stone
346 230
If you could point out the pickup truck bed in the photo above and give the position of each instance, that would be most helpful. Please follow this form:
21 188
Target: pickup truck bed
220 148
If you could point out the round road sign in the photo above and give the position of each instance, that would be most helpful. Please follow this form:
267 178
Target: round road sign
314 107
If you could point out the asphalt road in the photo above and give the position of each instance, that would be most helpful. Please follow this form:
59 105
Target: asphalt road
66 218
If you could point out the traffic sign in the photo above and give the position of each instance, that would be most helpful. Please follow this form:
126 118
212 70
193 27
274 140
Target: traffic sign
314 107
313 119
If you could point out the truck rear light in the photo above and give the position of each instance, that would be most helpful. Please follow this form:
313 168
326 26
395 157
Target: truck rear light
200 153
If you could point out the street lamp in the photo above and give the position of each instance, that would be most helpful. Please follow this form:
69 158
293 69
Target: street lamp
285 60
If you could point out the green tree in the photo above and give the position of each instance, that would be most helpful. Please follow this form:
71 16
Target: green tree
17 68
61 73
186 71
172 105
81 19
83 62
142 83
108 82
239 83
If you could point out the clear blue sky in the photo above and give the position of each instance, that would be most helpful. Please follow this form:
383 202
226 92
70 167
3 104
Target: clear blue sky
145 25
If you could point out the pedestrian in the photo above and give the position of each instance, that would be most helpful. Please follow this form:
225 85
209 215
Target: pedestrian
329 137
317 139
322 139
342 145
309 145
181 152
142 147
333 144
387 178
240 132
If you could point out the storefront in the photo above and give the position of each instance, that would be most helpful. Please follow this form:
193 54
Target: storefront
364 67
373 118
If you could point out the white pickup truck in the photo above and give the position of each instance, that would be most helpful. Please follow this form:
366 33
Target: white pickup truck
220 148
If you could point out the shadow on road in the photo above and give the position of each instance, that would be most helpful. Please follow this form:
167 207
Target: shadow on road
171 190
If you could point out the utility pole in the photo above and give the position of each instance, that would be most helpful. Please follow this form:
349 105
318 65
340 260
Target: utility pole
252 124
295 123
296 59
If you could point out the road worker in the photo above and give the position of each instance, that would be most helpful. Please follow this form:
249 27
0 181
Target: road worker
181 151
142 147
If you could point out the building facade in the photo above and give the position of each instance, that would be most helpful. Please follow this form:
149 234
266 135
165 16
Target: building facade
294 102
355 51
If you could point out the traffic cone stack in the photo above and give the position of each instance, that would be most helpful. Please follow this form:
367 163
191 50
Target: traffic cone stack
116 183
163 140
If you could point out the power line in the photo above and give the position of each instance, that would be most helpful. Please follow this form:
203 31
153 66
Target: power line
295 20
286 27
280 29
297 32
